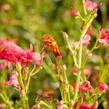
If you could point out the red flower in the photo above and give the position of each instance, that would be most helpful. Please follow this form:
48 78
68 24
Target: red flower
11 52
74 12
85 86
74 69
83 106
102 86
104 36
90 5
74 85
89 31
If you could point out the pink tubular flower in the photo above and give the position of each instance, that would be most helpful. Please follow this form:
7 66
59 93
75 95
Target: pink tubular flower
89 31
86 39
11 52
83 106
36 58
102 86
104 36
74 85
13 80
90 5
74 12
85 86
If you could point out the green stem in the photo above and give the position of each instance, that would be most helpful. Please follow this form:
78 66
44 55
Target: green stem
79 73
84 7
70 48
43 103
21 81
51 72
32 73
95 46
67 87
80 55
25 99
29 77
6 101
91 18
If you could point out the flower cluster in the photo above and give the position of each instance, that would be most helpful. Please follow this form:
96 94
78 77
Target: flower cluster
90 5
13 53
102 87
104 36
83 106
85 86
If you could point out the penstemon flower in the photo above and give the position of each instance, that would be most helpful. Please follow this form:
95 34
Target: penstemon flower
74 69
74 12
102 87
83 106
104 36
90 5
86 39
85 86
13 53
13 80
25 64
36 58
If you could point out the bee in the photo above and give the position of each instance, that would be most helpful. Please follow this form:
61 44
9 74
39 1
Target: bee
51 44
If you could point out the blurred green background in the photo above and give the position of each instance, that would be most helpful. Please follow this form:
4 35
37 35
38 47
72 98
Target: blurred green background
28 20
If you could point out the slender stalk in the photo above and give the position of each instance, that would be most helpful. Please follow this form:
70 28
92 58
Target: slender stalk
80 55
95 46
43 103
70 48
21 80
25 99
6 100
29 77
79 73
51 72
67 87
32 73
84 7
